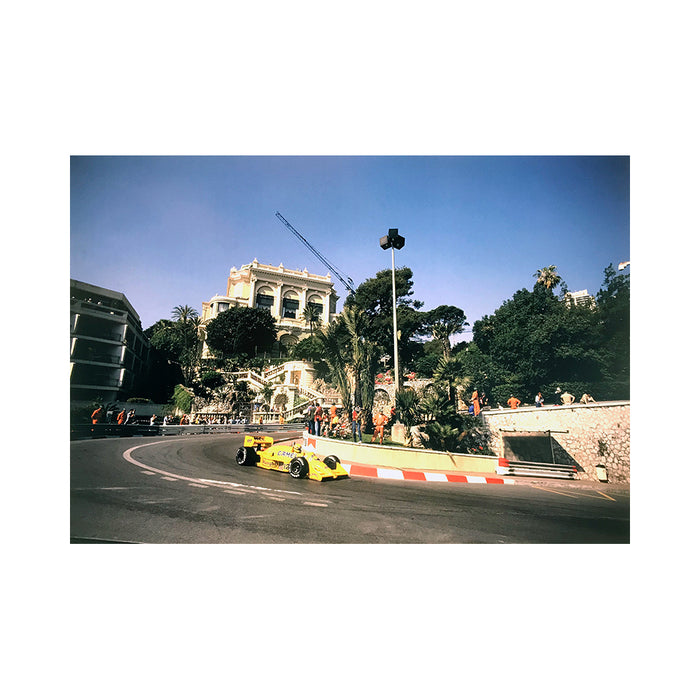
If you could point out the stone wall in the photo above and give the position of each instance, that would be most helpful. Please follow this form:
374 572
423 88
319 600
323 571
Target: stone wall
588 435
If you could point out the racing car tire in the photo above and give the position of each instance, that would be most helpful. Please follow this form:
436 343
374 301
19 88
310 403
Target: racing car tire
331 461
298 468
246 456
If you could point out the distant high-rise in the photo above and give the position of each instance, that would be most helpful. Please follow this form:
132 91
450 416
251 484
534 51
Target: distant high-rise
582 297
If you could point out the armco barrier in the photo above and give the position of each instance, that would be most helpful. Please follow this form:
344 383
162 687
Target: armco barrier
536 469
86 430
405 458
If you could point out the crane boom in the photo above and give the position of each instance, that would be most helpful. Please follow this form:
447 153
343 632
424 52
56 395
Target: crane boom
347 282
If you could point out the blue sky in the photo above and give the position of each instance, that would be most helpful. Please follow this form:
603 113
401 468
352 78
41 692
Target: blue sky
166 230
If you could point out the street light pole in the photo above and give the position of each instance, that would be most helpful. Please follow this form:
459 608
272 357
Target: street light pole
394 241
396 335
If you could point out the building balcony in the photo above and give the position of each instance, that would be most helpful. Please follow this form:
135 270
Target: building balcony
96 358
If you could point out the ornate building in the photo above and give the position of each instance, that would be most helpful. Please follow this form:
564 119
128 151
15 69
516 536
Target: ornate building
286 293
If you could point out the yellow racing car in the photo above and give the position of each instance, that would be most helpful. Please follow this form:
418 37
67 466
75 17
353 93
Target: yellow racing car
261 451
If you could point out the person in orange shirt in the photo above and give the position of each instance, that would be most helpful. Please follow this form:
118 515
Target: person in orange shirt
475 402
96 416
121 417
513 402
380 421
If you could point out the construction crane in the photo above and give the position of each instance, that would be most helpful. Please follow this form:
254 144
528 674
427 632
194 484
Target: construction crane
347 282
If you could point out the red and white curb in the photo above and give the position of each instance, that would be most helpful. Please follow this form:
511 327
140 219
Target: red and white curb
406 475
412 474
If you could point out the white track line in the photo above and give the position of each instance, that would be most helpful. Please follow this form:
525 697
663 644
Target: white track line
195 482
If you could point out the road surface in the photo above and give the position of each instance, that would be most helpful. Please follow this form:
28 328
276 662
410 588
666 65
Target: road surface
189 489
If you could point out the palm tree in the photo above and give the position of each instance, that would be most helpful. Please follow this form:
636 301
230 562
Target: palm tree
187 320
451 372
365 359
184 313
267 391
312 316
334 342
548 277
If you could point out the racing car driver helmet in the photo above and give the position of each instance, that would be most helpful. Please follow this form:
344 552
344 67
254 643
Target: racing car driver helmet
296 448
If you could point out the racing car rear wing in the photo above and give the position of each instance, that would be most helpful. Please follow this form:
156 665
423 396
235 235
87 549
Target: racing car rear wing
259 442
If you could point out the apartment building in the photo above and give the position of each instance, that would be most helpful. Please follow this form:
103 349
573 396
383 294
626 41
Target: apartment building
108 350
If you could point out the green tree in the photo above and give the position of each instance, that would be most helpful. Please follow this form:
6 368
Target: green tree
534 341
613 306
182 398
310 349
178 342
241 331
443 322
374 298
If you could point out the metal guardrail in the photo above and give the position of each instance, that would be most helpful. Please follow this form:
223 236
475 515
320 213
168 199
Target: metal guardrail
85 431
511 467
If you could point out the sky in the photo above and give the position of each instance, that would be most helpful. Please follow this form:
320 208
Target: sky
165 231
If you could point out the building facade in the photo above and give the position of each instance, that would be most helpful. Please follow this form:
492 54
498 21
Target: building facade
109 353
286 293
582 297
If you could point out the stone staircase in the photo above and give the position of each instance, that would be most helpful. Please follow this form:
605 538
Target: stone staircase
258 381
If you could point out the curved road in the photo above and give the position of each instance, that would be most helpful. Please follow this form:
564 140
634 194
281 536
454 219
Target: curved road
190 490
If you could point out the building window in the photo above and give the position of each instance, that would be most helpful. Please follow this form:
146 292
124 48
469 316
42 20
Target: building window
290 308
222 306
264 301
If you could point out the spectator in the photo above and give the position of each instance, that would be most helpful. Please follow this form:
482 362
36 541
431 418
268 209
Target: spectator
318 413
97 414
475 403
356 425
567 398
130 417
153 419
587 398
539 401
513 402
380 420
310 418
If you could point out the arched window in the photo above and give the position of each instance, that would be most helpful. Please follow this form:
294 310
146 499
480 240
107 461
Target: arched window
315 302
265 298
290 304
